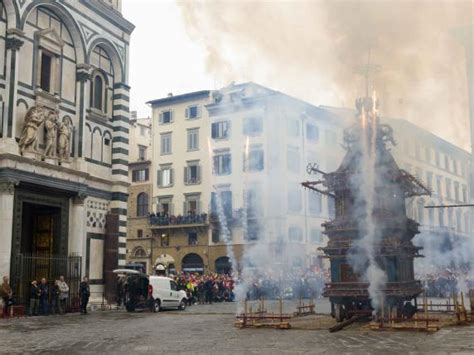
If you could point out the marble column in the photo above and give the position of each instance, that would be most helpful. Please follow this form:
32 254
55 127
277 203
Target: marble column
7 190
77 234
13 44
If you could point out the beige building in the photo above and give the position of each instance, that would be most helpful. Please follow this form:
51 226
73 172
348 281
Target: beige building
64 124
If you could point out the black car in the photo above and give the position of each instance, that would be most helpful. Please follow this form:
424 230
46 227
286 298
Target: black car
137 290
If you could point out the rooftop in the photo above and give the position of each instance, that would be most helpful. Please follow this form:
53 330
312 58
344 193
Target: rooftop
173 99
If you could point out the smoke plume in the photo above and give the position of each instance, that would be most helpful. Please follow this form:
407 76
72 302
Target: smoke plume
315 49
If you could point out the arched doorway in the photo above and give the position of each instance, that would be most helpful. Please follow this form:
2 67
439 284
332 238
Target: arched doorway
192 263
223 265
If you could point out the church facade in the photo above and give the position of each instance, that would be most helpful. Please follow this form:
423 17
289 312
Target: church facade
64 124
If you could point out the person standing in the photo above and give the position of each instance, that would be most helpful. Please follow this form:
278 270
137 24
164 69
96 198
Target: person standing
44 296
34 298
55 298
63 294
84 294
6 293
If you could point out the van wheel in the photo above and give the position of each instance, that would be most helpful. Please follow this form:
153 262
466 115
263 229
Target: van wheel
182 305
156 306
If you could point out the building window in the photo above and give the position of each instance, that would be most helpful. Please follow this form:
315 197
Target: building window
46 66
192 174
441 217
140 233
456 191
294 198
439 186
106 141
193 112
193 139
429 180
140 175
165 205
314 203
253 126
294 128
165 240
293 160
215 235
98 92
226 203
222 164
192 238
295 234
255 161
220 130
455 167
446 163
141 152
166 117
165 143
192 205
253 202
464 193
312 132
437 158
448 188
142 204
316 236
165 176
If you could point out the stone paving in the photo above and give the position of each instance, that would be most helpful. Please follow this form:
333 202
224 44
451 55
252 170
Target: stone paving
208 329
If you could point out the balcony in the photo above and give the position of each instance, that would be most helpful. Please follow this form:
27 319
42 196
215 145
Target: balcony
173 222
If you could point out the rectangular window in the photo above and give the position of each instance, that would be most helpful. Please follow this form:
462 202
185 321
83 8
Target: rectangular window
294 128
295 234
312 132
192 205
192 238
220 130
165 177
448 188
455 167
166 117
253 202
446 162
222 164
253 126
255 160
439 187
225 200
429 180
166 143
141 152
140 175
165 240
215 235
294 198
192 174
165 205
314 203
464 193
316 236
140 233
437 158
293 160
193 139
45 80
193 112
456 191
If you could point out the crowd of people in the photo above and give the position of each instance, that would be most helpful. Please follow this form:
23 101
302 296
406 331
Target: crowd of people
45 299
443 283
206 289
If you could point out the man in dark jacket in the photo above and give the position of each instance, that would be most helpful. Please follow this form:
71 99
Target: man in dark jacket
84 293
44 296
34 298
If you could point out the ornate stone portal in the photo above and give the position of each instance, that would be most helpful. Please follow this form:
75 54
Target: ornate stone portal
58 134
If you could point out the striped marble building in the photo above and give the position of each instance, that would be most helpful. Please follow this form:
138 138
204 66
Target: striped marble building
64 125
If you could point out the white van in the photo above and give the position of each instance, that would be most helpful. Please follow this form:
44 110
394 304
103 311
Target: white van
166 295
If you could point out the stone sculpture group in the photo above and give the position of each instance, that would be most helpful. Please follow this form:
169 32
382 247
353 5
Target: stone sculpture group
58 133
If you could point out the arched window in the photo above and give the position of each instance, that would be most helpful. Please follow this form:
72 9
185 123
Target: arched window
192 263
142 204
139 253
223 265
98 92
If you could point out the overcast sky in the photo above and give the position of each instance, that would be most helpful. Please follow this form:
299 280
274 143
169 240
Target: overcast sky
163 58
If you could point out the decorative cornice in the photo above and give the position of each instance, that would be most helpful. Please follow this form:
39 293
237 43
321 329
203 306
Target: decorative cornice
82 76
8 186
14 43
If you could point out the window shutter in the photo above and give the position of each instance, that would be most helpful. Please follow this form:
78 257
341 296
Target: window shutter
161 117
159 177
187 112
199 207
185 175
171 176
198 108
171 116
198 173
214 130
185 209
146 174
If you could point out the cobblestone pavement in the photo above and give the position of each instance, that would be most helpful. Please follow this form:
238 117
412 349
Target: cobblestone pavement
208 329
